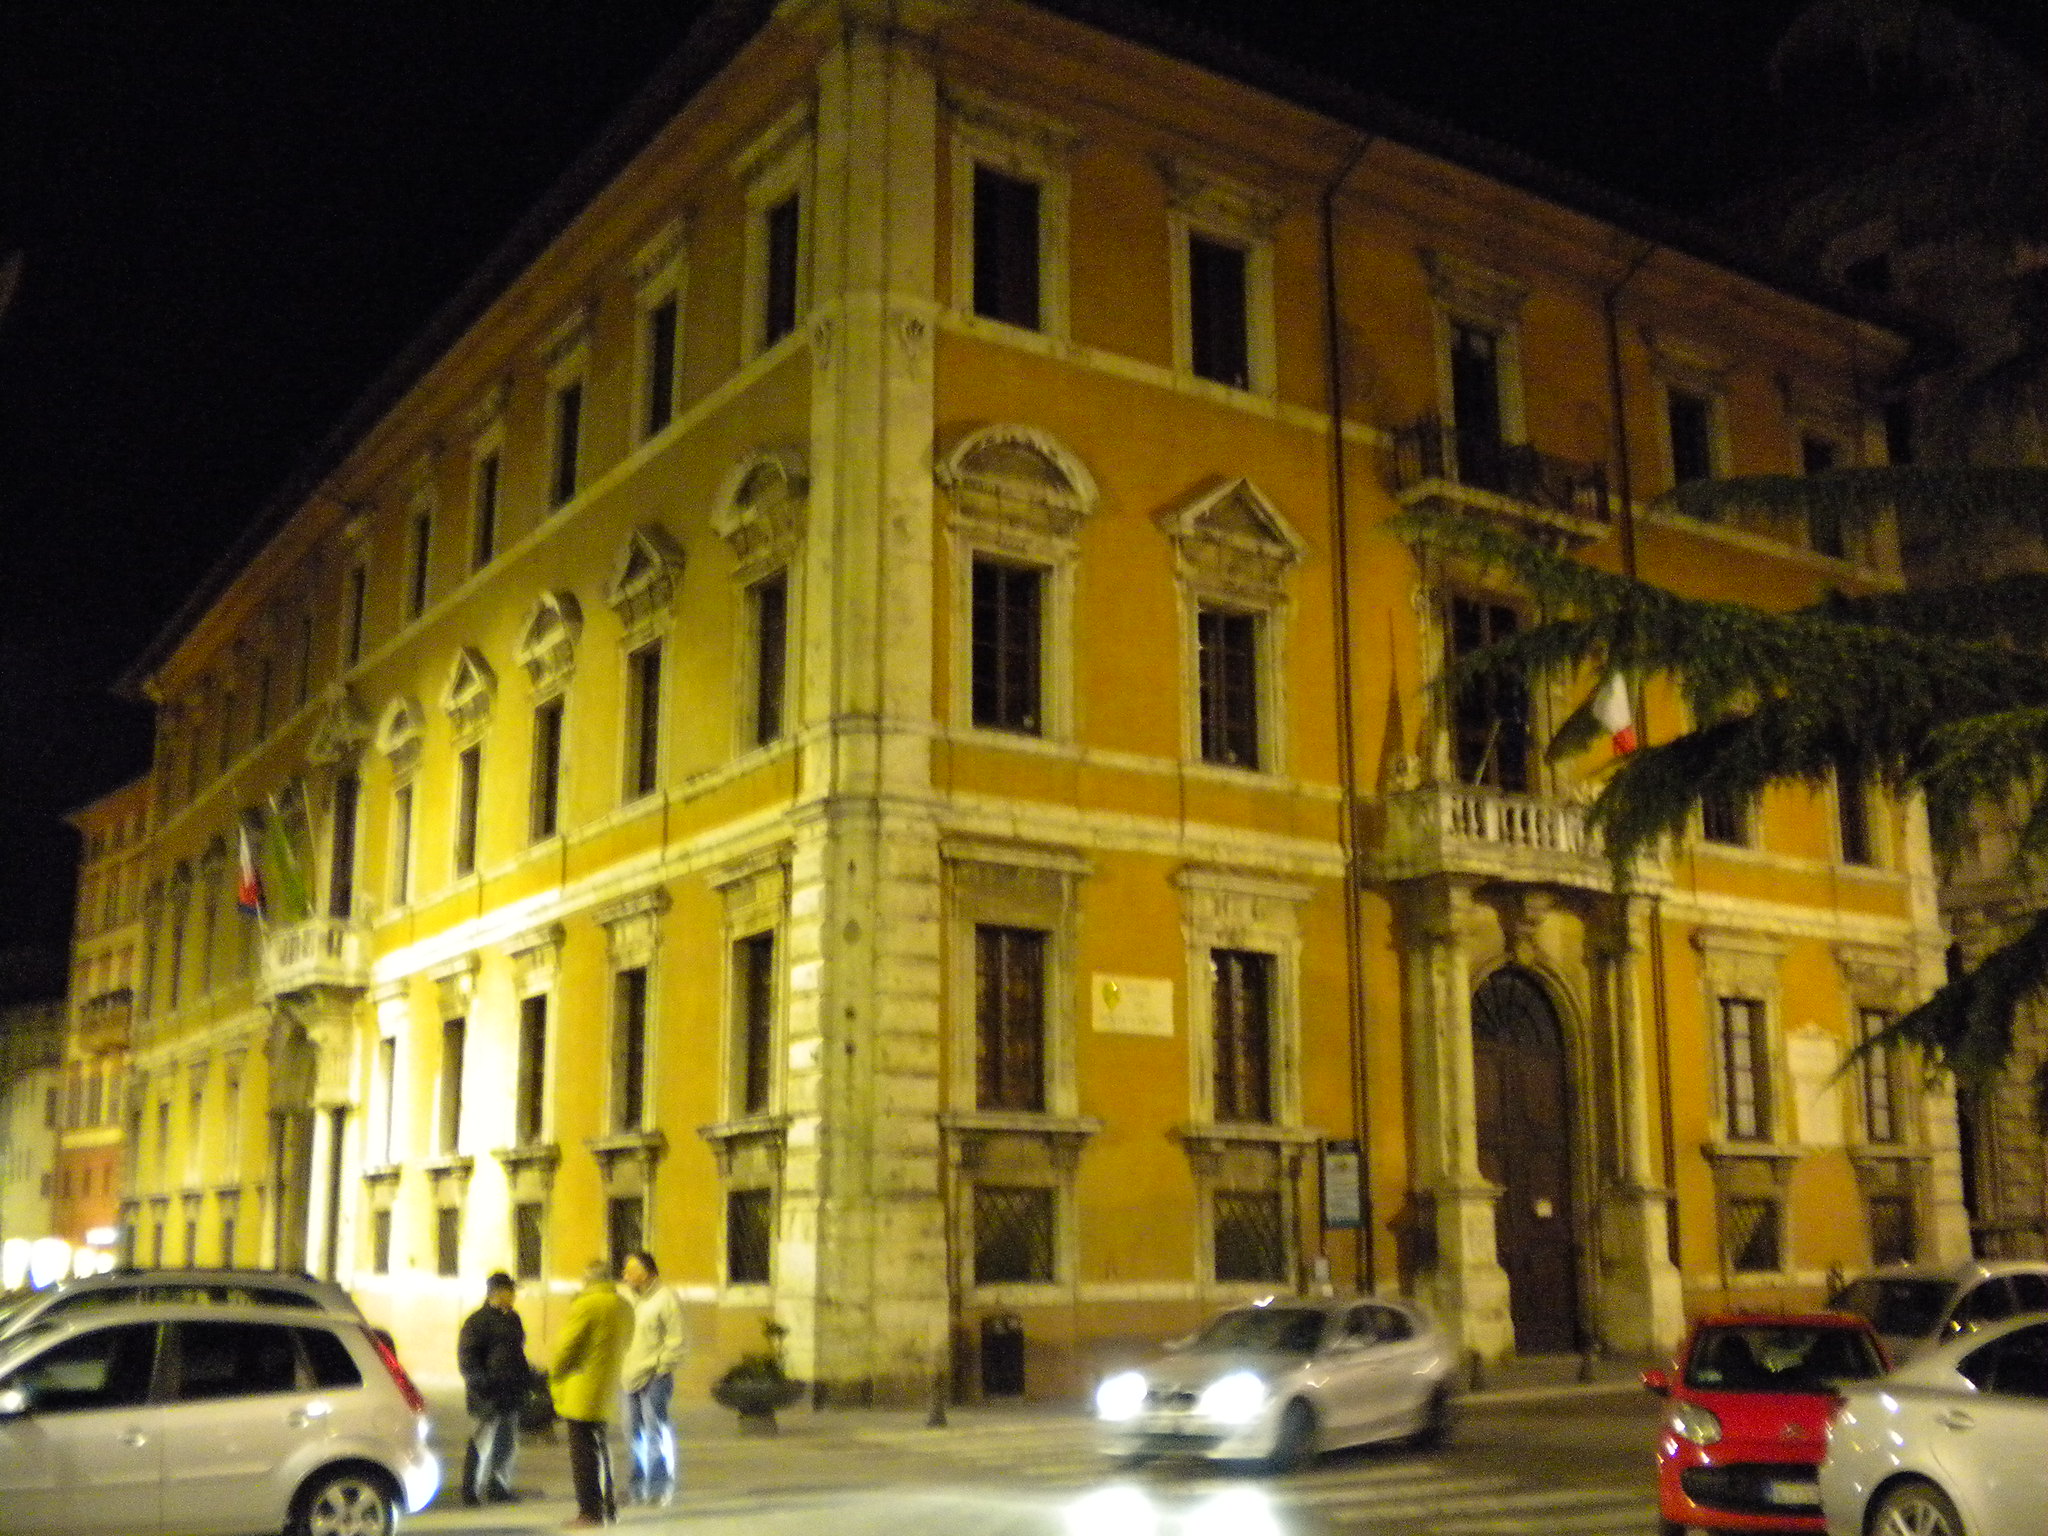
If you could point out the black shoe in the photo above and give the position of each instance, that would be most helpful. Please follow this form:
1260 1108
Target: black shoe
501 1496
469 1499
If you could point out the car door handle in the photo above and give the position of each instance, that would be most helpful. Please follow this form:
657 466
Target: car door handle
302 1418
1955 1418
135 1439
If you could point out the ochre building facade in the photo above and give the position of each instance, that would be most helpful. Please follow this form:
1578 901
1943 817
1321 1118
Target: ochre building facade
849 718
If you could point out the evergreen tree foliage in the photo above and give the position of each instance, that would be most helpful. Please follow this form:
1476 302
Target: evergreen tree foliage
1940 691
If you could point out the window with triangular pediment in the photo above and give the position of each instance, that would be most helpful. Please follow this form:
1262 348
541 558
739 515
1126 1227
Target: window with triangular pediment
471 688
547 646
644 580
400 733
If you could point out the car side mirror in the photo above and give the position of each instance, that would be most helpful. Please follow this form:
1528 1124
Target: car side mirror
1658 1383
13 1402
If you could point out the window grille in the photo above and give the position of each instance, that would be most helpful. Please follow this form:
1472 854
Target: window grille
448 1239
1227 660
1013 1235
1243 1000
1891 1229
1753 1235
1251 1238
528 1226
748 1230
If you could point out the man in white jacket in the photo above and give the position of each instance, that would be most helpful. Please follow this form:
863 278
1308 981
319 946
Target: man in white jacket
661 1341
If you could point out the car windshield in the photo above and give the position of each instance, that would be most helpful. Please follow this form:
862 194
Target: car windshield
1901 1307
1780 1358
1266 1330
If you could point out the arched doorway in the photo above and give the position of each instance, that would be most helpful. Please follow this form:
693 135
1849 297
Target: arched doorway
1522 1087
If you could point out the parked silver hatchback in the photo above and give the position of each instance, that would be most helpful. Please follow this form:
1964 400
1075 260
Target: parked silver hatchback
223 1287
197 1420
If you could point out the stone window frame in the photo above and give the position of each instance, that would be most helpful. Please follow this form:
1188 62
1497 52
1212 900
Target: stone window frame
1470 293
1883 979
660 274
761 512
392 1007
1029 146
1877 822
534 959
1202 201
1736 963
486 441
565 353
776 164
632 926
755 895
400 738
1031 512
1689 368
1225 567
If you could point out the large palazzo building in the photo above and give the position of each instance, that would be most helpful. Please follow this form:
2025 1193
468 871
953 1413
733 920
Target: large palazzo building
850 715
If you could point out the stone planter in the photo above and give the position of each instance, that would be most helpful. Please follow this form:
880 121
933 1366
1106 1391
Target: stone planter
755 1399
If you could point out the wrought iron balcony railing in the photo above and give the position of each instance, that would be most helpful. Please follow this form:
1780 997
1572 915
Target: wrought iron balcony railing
1432 458
315 952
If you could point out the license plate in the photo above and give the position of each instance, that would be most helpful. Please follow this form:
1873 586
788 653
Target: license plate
1789 1493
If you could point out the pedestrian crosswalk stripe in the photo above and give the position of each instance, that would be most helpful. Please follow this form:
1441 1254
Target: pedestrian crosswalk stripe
1363 1491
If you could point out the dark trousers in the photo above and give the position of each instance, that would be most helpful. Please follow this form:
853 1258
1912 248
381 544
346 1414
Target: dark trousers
590 1468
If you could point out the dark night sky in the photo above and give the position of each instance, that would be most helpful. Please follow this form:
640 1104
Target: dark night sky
233 215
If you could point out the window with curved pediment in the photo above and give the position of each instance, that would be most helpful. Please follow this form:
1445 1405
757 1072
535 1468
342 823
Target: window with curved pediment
1018 499
342 731
760 514
1234 555
472 686
547 646
400 734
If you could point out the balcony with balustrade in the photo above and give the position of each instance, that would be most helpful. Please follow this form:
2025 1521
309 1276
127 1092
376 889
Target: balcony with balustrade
315 953
1433 465
1485 833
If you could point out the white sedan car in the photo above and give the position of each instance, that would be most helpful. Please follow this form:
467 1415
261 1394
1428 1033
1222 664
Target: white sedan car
1953 1444
1281 1380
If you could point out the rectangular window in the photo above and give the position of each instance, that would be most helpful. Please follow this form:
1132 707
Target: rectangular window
1745 1069
1689 418
568 440
483 527
529 1229
1219 335
1724 818
1009 1017
1489 714
380 1242
341 867
1478 425
454 1040
1755 1237
782 226
358 598
1243 1000
384 1142
530 1097
643 721
1013 1235
264 669
1227 665
1891 1230
1006 619
749 1229
447 1239
1825 532
1852 816
1251 1238
469 769
660 382
191 1242
401 845
304 687
754 999
629 1049
544 800
227 733
1006 267
419 564
625 1227
770 605
1878 1075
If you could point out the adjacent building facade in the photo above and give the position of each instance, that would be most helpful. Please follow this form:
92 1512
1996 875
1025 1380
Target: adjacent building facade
852 717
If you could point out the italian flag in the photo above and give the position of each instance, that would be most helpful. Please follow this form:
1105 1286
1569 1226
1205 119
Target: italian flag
248 882
1611 710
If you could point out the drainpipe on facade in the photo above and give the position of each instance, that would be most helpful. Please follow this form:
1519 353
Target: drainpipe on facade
1624 492
1365 1257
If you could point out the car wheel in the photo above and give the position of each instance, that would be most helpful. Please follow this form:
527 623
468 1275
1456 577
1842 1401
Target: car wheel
349 1501
1915 1509
1295 1441
1435 1427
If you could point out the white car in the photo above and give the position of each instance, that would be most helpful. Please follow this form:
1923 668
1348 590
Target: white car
1953 1444
196 1420
1913 1306
1281 1380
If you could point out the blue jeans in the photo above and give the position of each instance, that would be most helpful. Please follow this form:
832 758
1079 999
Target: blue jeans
494 1447
652 1437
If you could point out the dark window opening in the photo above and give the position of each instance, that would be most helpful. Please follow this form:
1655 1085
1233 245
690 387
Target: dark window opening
529 1100
529 1229
771 641
1490 714
568 442
629 1048
468 785
1745 1069
448 1239
643 721
1724 818
1219 333
358 592
1826 531
625 1227
484 530
749 1230
1690 420
1755 1239
1227 664
544 805
1852 816
754 988
341 868
1477 426
1008 605
454 1040
661 366
779 285
1009 1017
1243 999
422 564
1006 271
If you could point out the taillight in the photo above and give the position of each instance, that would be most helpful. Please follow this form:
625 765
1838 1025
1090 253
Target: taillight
399 1379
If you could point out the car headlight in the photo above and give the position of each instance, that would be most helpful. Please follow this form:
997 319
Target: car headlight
1233 1399
1696 1424
1120 1397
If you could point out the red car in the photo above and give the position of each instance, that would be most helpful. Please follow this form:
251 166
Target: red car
1750 1398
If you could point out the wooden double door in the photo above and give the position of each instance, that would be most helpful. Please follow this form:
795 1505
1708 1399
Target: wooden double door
1522 1085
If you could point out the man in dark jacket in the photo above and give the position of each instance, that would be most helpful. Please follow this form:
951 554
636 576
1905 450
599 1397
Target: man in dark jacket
491 1354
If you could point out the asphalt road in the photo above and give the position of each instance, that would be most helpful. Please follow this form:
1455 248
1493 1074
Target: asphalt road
1571 1464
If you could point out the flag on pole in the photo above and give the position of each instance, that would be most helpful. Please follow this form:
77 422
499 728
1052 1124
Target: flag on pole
1607 712
1611 708
248 881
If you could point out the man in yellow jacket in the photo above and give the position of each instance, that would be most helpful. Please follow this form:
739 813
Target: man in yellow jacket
584 1381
